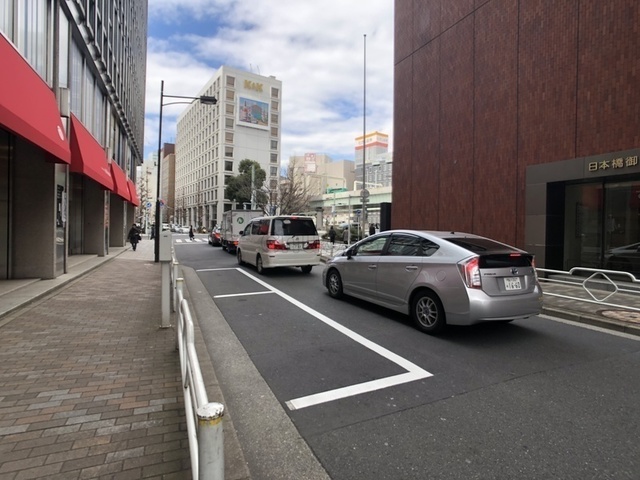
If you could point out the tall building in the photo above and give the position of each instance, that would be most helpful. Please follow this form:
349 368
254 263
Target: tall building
72 89
378 160
211 141
519 120
318 172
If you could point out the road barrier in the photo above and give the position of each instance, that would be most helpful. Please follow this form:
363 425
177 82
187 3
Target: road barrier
204 418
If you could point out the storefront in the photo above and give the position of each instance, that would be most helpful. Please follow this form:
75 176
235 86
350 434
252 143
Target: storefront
585 212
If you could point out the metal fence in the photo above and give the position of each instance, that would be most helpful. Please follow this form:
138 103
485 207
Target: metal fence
204 418
608 288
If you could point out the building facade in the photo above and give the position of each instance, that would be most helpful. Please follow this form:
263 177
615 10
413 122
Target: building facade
212 140
519 120
72 87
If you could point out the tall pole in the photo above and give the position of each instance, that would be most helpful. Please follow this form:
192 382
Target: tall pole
158 226
364 142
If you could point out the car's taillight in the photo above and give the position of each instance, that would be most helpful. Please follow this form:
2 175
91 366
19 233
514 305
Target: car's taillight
470 271
315 245
535 272
275 245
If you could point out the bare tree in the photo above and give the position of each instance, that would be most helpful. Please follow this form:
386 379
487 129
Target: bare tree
293 195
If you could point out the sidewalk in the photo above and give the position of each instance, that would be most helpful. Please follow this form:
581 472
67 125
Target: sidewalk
89 384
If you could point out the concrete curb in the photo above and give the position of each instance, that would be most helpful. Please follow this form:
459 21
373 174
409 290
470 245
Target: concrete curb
593 320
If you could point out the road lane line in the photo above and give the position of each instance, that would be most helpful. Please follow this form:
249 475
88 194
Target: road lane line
413 371
228 295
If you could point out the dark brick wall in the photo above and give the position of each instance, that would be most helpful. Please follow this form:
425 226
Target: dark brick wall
485 88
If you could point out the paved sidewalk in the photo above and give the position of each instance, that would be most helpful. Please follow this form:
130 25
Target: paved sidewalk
89 384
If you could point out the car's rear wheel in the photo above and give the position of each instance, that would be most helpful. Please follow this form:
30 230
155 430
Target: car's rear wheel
239 257
427 312
334 284
306 268
259 265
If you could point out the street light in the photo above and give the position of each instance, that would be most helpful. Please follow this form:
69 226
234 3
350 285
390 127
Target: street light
204 99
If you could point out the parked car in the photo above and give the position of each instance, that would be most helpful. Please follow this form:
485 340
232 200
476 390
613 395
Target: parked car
438 278
183 229
280 241
215 239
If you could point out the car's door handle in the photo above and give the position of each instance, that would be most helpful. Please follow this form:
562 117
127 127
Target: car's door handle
410 268
372 267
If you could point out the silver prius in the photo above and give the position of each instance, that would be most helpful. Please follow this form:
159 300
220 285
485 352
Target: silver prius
438 278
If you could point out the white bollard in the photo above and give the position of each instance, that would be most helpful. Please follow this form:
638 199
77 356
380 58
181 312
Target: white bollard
210 441
165 294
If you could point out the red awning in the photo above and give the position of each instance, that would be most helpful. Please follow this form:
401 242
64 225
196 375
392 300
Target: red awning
134 193
120 182
28 107
88 157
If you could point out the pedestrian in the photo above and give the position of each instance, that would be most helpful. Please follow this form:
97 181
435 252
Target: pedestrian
191 232
372 229
332 235
134 236
345 235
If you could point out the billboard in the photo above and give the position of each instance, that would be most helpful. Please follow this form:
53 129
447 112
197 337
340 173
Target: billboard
253 113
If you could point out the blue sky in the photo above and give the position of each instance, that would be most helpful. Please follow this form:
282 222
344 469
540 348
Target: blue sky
316 48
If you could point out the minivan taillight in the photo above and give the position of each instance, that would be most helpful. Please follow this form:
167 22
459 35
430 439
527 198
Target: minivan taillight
315 245
470 271
275 245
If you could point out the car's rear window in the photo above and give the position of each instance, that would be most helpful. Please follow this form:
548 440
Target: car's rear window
480 245
293 226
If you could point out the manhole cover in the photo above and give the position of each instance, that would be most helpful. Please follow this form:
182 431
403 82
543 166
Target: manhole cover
632 317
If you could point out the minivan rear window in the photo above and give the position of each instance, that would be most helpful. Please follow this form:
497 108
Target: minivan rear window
293 226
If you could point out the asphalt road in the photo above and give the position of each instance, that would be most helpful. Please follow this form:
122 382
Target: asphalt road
375 399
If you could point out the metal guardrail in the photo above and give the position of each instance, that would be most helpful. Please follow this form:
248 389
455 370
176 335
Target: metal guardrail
591 281
204 418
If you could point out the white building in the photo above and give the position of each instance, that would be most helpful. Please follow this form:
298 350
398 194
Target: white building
211 141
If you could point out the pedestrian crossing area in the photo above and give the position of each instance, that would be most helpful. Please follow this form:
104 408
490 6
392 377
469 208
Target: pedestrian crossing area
195 240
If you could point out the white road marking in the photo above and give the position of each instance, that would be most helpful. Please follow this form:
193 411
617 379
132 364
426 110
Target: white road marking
413 371
630 336
241 294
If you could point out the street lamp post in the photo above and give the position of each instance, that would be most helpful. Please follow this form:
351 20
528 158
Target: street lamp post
204 99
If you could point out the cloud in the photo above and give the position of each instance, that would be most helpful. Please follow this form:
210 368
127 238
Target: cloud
315 48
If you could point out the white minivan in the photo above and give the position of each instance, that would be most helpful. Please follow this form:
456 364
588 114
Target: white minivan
280 241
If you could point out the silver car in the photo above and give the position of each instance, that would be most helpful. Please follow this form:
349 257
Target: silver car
438 278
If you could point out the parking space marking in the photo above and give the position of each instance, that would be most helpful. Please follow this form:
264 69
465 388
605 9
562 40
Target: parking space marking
413 371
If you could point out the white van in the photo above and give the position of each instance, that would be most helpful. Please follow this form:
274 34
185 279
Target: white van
280 241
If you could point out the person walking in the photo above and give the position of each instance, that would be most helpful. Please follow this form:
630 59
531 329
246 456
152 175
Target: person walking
134 236
372 229
332 235
345 235
191 232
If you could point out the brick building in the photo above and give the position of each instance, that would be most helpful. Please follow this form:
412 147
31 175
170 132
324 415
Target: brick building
519 120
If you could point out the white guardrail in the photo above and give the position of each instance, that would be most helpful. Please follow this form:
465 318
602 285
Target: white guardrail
204 418
597 279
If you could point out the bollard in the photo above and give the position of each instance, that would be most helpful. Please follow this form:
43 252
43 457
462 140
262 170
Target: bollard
165 295
174 285
210 441
180 318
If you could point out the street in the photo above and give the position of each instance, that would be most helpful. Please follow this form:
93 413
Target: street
374 398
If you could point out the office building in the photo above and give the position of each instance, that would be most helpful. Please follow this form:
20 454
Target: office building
72 89
518 120
212 140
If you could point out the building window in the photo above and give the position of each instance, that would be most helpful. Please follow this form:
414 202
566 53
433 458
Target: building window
228 166
230 95
228 137
274 144
274 158
275 92
275 118
228 122
31 34
275 105
229 108
228 151
274 132
274 171
231 81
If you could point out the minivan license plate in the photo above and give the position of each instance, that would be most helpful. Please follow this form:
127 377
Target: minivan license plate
512 283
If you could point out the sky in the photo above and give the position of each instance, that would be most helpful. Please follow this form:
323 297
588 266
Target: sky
316 48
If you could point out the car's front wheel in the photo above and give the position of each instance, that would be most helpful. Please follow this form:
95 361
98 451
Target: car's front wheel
334 284
427 312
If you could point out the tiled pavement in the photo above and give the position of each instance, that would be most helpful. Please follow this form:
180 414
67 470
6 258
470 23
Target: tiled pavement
89 385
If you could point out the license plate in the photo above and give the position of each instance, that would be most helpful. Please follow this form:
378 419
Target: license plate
295 246
512 283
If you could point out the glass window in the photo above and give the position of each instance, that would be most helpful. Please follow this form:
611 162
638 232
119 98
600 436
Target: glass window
228 151
228 166
274 171
293 226
6 18
231 81
228 122
230 95
76 80
63 35
275 118
373 246
274 144
410 246
275 105
229 108
275 92
274 158
31 36
228 137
